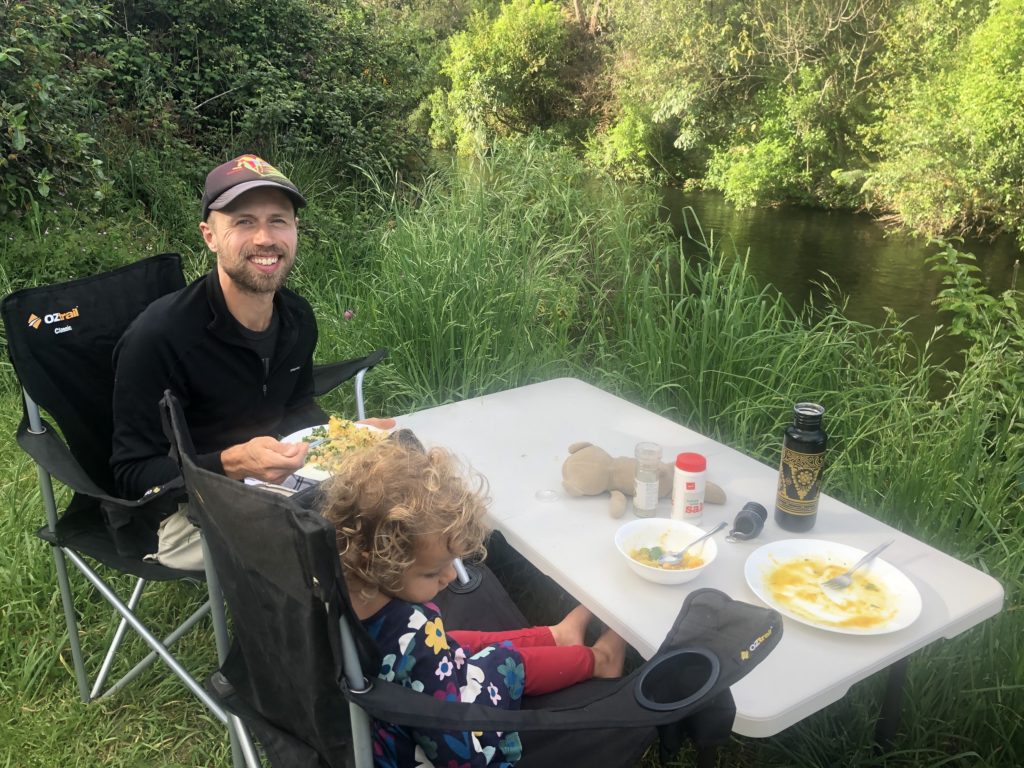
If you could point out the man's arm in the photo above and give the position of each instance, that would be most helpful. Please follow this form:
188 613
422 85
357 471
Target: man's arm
142 371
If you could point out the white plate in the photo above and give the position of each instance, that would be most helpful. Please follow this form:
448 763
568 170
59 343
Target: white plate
309 472
895 604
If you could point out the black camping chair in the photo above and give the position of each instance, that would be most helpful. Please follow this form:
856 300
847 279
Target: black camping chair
295 671
60 340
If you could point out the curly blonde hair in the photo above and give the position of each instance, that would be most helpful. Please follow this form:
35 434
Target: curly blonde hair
384 499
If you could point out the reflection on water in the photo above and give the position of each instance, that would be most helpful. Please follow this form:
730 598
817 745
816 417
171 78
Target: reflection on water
797 249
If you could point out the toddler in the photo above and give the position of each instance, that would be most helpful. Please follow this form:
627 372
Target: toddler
402 515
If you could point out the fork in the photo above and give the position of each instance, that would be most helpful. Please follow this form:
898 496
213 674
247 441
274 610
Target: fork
844 580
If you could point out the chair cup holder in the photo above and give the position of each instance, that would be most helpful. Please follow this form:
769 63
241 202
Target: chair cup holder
677 679
475 578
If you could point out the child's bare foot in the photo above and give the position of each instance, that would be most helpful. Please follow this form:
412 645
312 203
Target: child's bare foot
609 655
571 629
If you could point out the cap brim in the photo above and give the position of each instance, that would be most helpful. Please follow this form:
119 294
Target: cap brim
229 196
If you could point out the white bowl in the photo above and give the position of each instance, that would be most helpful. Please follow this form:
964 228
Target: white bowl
670 535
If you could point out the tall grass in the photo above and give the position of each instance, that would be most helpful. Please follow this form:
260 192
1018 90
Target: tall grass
516 268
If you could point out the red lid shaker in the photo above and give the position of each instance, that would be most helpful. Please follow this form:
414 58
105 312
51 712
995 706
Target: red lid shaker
688 487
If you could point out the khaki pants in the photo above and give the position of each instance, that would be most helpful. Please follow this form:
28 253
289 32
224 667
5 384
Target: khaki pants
179 544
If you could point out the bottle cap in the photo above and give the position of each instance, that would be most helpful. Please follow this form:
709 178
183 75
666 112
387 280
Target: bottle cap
691 462
647 452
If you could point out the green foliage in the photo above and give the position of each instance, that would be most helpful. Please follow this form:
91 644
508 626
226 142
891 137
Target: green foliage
46 146
772 94
679 60
85 103
780 157
298 75
994 326
751 173
952 148
62 244
624 149
507 75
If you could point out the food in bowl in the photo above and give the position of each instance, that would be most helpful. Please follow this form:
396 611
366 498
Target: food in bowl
343 437
651 556
657 533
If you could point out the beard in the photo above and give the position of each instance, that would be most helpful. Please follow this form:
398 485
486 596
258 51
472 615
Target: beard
250 279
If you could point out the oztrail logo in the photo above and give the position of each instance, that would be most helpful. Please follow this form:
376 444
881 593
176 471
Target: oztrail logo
35 321
745 654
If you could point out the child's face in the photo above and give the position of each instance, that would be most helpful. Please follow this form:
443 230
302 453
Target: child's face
432 571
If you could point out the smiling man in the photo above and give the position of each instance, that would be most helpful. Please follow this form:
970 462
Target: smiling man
235 346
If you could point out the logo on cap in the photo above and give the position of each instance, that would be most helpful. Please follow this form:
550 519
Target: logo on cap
257 165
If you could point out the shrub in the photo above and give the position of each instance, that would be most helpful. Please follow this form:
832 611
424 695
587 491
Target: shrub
297 75
625 148
506 74
46 147
952 148
751 173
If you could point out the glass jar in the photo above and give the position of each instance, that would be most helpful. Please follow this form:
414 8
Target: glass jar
646 486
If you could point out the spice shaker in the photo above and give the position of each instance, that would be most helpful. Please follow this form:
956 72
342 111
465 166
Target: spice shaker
803 460
688 487
645 488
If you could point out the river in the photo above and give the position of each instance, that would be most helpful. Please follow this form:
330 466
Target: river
795 248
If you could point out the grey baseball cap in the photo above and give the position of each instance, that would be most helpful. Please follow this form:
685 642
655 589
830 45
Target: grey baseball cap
235 177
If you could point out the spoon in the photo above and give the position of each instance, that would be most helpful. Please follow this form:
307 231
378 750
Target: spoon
675 558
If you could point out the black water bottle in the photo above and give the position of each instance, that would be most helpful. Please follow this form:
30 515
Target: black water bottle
803 459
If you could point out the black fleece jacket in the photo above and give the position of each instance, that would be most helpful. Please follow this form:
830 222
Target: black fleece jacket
189 343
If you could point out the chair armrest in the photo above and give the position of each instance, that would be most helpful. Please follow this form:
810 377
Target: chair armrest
328 376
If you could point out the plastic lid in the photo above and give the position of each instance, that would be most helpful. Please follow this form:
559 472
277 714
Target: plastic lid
691 462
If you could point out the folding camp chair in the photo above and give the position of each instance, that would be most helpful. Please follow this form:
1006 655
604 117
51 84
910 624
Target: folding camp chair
295 671
60 339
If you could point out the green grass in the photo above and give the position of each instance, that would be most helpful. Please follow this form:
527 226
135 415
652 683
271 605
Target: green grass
517 269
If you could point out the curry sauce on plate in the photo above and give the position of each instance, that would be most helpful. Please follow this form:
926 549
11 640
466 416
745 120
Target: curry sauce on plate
795 584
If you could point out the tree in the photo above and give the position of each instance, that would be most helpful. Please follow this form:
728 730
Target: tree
951 146
781 86
507 75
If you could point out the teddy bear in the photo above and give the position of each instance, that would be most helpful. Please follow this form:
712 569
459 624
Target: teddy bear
590 470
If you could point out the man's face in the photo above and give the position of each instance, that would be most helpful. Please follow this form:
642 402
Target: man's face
254 239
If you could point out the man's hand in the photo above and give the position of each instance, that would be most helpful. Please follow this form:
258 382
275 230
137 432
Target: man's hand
264 458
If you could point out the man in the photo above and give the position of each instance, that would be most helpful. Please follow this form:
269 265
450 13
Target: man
235 346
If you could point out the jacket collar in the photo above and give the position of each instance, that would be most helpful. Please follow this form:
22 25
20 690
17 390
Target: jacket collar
225 327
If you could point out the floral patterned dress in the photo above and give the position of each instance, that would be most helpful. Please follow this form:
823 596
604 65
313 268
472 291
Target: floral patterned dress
419 654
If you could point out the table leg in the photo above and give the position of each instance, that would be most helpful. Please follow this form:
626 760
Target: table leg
892 705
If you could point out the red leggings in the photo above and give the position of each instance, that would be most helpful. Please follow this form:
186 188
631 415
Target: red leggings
548 667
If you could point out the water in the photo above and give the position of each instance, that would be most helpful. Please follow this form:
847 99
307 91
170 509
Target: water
798 249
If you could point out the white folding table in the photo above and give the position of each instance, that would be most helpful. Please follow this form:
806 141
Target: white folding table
519 438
